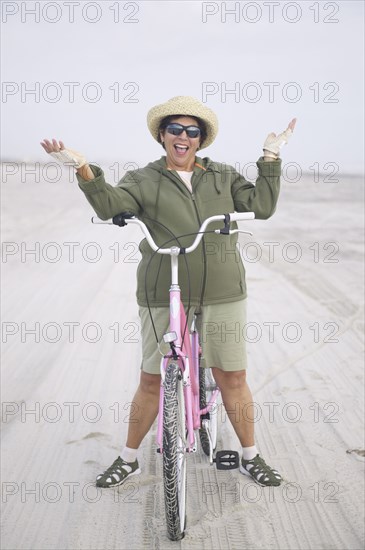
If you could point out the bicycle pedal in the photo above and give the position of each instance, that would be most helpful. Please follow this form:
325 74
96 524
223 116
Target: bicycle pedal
227 460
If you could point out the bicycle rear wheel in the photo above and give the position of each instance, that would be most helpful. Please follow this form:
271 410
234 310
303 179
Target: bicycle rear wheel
208 432
174 452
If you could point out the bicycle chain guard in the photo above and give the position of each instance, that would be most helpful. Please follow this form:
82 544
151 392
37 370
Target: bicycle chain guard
227 460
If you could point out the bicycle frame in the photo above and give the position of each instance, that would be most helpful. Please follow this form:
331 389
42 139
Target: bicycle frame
187 353
188 365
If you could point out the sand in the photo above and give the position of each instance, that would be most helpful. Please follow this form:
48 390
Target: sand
67 386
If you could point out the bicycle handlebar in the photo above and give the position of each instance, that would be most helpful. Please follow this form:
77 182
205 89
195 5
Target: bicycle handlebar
175 250
241 216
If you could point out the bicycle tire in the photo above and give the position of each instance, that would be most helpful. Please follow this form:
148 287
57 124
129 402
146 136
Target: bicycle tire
174 453
210 424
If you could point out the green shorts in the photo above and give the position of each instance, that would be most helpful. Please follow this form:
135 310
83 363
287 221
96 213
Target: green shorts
221 329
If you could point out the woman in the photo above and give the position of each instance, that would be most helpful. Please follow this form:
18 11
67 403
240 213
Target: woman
173 196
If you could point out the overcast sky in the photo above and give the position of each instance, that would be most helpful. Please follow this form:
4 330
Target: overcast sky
97 67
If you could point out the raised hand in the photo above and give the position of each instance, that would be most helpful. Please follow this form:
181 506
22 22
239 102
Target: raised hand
66 156
273 142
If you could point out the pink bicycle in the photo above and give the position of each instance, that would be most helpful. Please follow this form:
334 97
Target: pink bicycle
188 393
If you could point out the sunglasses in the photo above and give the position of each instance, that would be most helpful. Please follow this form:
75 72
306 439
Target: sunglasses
177 129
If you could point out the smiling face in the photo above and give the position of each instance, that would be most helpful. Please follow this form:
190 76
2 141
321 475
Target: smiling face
180 150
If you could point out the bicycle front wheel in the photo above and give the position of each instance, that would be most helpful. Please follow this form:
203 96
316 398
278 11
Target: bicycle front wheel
174 452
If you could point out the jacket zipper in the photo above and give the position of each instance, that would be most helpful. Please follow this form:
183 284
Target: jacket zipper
204 284
192 195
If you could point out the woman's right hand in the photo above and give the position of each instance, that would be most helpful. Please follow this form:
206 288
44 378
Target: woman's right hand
68 157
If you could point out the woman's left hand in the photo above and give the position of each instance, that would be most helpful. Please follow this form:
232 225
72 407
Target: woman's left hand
273 142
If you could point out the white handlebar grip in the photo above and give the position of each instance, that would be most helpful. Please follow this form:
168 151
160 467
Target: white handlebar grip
241 216
95 219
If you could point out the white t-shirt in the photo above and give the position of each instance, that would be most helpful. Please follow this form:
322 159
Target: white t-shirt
186 178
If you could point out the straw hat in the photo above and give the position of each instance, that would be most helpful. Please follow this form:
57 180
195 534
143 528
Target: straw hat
183 105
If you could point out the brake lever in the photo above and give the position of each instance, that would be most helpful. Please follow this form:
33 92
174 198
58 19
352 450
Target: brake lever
240 231
232 231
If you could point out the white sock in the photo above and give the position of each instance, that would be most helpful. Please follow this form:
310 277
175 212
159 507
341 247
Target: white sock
248 453
128 454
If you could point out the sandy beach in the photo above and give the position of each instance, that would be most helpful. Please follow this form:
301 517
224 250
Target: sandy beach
70 365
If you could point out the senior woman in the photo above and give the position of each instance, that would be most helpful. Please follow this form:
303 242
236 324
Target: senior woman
173 195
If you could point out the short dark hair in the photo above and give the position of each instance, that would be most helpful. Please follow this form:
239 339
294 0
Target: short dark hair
168 119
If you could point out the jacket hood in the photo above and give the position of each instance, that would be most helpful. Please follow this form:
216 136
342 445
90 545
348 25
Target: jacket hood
161 163
205 164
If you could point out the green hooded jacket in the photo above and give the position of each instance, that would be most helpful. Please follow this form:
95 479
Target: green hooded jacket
159 198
